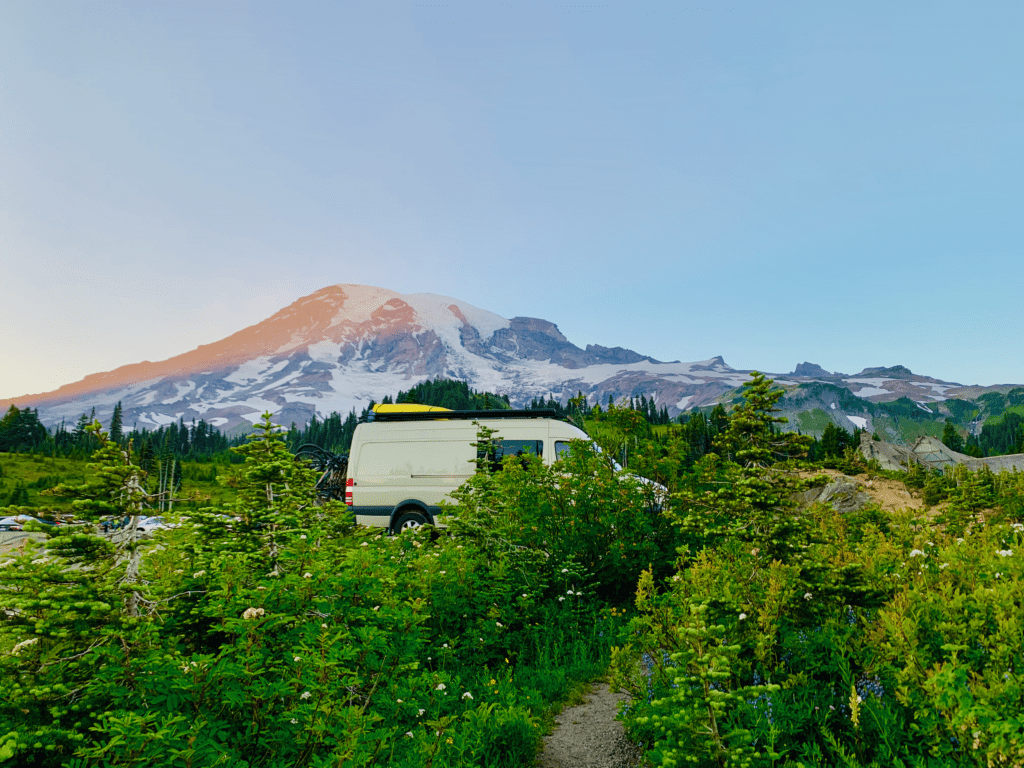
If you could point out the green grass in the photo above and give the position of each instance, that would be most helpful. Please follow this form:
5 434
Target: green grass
811 422
1018 409
199 488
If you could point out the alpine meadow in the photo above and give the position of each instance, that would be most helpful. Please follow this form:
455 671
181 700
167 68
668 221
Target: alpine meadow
749 628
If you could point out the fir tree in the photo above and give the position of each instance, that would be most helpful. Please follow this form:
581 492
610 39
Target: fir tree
115 424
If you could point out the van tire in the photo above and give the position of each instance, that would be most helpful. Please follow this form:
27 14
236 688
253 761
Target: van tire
408 521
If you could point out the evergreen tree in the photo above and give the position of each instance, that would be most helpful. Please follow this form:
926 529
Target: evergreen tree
951 438
115 424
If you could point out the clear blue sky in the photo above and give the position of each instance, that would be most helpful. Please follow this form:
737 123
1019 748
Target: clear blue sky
775 182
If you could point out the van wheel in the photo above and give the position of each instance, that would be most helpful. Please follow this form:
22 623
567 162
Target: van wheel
408 521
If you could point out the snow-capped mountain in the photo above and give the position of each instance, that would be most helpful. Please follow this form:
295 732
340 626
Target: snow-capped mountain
344 345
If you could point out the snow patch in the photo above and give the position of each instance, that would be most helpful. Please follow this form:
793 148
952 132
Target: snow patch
859 421
833 406
182 390
681 405
871 391
923 407
217 421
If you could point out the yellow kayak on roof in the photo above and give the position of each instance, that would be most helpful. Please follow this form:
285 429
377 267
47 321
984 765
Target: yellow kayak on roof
406 408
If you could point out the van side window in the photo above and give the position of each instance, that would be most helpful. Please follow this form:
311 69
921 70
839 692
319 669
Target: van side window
505 448
562 448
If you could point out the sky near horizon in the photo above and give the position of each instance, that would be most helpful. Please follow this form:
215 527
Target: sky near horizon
839 183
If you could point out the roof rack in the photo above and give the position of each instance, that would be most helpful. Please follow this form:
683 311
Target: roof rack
540 413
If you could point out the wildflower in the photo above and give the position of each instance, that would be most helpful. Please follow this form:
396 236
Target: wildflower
307 575
323 626
743 616
524 594
448 740
420 713
441 686
1005 552
445 645
23 644
916 552
305 694
273 574
755 552
408 734
944 565
498 624
364 544
569 592
808 595
198 574
303 536
443 572
561 598
294 721
296 658
1017 526
376 607
959 541
565 570
253 613
467 695
493 682
398 701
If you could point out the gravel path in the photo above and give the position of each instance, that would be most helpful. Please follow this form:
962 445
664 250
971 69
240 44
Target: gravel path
589 736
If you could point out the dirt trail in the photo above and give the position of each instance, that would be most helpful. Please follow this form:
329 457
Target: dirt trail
589 736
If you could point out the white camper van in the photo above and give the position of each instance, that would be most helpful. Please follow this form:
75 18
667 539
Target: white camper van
408 459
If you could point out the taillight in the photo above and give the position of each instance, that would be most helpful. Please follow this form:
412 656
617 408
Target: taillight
349 483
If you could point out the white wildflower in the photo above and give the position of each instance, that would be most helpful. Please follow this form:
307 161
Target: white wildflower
273 574
23 644
420 713
305 695
916 553
376 607
303 536
440 687
1017 526
808 595
1005 552
569 592
561 598
253 613
443 572
408 734
307 575
365 544
296 658
398 701
498 624
198 574
294 721
743 616
565 570
467 695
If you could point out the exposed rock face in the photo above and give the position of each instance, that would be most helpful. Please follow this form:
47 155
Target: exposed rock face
932 454
811 370
842 494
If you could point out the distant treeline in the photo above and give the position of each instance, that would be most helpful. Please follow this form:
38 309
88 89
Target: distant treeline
22 432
